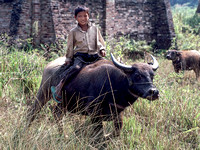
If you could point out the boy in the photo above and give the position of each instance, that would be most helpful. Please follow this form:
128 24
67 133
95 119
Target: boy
84 45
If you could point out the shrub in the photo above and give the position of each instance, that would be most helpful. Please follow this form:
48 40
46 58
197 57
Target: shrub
186 25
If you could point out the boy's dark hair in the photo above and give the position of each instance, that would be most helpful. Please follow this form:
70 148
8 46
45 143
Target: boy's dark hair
80 9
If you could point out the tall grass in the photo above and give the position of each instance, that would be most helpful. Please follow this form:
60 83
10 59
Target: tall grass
187 27
172 122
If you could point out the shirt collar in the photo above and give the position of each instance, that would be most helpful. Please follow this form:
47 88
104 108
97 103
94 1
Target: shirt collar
89 25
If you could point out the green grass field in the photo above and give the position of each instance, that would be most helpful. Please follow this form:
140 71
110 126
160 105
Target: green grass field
172 122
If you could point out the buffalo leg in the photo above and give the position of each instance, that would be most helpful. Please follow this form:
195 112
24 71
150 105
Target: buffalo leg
41 99
97 126
118 123
98 138
97 129
197 73
58 113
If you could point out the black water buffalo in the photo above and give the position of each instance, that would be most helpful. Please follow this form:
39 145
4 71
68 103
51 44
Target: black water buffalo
185 60
101 90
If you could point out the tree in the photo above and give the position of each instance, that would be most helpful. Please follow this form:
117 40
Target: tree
198 8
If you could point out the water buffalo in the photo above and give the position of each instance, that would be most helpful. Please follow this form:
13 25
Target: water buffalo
101 90
185 60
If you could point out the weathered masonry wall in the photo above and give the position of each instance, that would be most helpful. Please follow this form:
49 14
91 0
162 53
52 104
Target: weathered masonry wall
50 20
143 20
15 18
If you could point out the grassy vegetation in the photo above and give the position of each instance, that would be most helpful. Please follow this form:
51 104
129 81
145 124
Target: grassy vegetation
172 122
186 24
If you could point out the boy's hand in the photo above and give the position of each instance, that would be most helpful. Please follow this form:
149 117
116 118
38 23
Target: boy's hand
67 62
103 53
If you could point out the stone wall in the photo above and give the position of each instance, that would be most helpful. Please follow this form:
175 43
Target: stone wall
50 20
15 18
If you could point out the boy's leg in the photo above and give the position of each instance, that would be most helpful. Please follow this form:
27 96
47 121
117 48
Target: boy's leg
66 76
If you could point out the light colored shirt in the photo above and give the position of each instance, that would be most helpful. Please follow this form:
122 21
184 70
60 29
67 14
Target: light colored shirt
90 41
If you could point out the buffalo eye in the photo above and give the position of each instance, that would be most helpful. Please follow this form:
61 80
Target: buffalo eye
151 76
138 76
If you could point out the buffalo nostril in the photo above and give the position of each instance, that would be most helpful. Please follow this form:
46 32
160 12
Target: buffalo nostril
153 91
156 92
152 94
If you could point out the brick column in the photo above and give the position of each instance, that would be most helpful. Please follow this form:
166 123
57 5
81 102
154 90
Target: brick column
36 24
164 26
110 17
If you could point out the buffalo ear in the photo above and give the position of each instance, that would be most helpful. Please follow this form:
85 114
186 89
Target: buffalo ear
134 69
178 53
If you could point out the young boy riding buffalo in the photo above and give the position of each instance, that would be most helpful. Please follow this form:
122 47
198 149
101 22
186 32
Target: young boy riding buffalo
85 45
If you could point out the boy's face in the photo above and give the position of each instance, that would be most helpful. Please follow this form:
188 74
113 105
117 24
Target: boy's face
82 18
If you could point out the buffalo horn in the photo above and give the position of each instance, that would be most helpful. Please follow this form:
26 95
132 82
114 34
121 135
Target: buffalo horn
120 65
155 63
